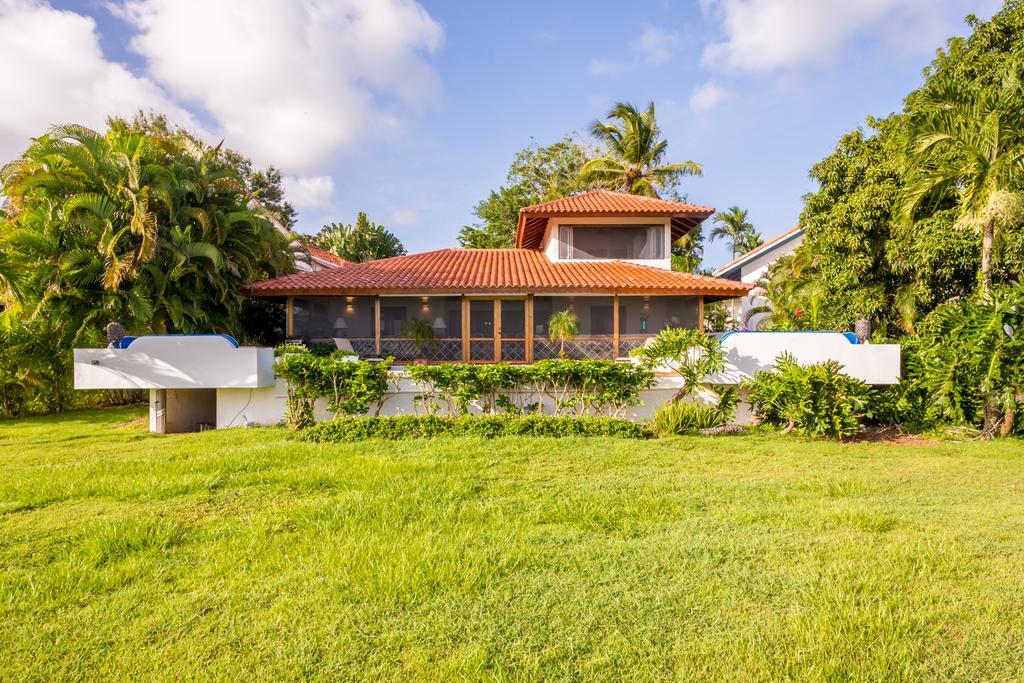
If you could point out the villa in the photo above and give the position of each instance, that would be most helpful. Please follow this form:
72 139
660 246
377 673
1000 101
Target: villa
604 256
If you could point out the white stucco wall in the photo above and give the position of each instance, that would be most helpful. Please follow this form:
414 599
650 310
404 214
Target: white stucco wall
174 362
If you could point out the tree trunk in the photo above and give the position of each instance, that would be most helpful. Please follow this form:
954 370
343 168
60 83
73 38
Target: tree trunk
990 412
1009 416
987 239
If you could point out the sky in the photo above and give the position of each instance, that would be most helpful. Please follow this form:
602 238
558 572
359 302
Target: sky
412 112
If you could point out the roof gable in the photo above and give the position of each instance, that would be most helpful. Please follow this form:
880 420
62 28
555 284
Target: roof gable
533 220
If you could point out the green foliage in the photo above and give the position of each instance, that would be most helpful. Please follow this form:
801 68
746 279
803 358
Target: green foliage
489 427
582 387
351 387
537 174
732 225
563 326
692 416
893 229
817 400
692 354
634 154
364 241
718 318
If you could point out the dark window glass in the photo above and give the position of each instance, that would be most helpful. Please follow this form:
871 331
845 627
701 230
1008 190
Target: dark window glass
513 319
611 241
481 319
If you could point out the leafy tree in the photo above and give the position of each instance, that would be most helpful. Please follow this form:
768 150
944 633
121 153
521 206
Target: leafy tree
421 332
732 225
563 326
634 154
691 354
968 142
154 229
364 241
688 251
537 174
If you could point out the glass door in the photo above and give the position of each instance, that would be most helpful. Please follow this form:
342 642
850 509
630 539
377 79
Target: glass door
481 330
512 332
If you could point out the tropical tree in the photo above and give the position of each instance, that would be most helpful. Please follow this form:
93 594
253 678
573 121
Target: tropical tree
968 142
634 154
732 225
364 241
563 326
537 174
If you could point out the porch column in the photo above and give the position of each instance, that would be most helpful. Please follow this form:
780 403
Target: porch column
529 328
376 325
465 329
289 318
700 313
615 326
497 330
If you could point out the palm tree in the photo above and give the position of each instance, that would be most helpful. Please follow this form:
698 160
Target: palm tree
420 331
969 142
732 225
633 154
563 326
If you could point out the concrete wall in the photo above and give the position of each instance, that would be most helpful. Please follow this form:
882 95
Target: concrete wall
177 411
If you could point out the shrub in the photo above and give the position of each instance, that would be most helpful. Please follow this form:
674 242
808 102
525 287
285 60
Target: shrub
345 429
690 417
582 387
691 354
351 387
818 400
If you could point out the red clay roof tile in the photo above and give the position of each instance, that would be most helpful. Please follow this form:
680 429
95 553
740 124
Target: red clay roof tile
468 271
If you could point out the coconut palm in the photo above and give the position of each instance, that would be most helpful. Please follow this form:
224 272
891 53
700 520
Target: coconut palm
969 142
634 153
732 225
421 332
563 326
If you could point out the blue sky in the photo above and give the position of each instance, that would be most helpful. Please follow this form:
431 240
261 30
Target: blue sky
413 112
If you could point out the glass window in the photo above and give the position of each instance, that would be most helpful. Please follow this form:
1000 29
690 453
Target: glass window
325 317
443 312
611 241
594 312
641 316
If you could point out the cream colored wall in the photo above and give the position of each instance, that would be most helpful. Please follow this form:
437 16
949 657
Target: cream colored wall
550 242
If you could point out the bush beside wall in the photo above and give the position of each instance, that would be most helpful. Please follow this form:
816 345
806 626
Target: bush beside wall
344 429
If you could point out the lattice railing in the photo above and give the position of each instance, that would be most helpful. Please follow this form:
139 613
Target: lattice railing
576 348
443 350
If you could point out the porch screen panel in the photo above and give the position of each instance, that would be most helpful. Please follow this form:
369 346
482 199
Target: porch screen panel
646 316
595 338
445 316
325 317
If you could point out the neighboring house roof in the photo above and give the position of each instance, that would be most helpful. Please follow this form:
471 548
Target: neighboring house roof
325 256
732 269
466 271
533 220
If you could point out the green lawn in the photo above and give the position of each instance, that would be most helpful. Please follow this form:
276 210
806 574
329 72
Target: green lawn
245 553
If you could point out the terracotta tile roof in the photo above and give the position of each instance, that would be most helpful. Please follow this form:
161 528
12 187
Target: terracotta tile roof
324 255
600 203
758 250
467 271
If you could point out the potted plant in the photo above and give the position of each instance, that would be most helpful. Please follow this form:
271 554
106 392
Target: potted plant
563 326
422 334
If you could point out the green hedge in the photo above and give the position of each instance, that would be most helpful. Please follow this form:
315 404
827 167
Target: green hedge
488 426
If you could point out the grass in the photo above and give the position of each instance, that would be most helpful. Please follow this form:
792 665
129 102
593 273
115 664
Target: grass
248 554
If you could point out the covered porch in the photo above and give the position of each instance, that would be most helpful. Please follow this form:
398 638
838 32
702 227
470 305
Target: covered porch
488 328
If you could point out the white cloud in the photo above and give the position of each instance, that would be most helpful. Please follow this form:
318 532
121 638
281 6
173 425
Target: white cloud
707 96
765 35
56 73
545 36
290 82
403 217
309 192
655 45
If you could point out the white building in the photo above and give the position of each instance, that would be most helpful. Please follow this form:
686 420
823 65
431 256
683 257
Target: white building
750 268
